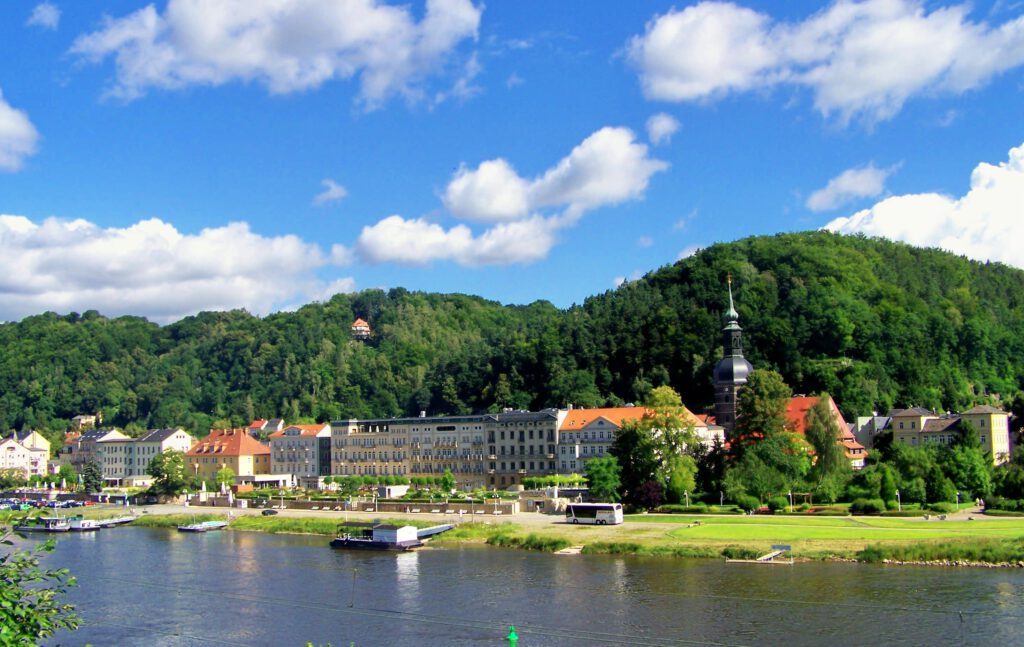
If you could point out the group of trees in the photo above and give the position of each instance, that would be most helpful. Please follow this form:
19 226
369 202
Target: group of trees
872 322
766 460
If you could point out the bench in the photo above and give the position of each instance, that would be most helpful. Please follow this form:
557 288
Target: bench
415 510
367 509
436 511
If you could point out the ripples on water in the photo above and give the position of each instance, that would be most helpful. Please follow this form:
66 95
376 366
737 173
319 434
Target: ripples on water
154 587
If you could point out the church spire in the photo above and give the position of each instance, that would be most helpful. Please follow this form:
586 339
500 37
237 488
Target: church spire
731 316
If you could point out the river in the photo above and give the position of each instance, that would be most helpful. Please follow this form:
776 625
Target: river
139 586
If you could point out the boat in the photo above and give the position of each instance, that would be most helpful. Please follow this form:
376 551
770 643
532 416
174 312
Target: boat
79 523
377 537
44 524
117 521
203 526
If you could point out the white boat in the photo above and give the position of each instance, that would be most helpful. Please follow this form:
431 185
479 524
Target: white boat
203 526
117 521
79 523
44 524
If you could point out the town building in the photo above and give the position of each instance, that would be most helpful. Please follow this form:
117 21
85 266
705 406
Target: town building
917 426
796 419
867 428
589 433
301 450
731 371
84 448
228 448
29 461
483 450
33 440
125 461
83 421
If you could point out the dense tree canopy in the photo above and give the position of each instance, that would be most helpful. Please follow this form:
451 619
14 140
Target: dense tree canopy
874 323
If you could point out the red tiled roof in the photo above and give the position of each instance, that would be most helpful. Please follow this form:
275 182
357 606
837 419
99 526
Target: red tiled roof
796 416
359 323
307 430
228 442
580 418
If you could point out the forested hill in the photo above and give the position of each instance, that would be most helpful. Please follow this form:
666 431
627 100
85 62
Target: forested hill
874 323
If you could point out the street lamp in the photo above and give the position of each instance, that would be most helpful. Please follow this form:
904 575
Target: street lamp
958 501
899 502
686 495
721 498
791 500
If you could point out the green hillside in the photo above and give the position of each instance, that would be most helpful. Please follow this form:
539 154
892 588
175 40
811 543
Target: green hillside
873 322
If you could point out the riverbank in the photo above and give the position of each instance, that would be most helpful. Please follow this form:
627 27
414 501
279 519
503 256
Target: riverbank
952 542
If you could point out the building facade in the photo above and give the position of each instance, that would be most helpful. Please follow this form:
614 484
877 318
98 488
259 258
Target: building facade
125 461
228 448
298 450
918 426
28 461
485 450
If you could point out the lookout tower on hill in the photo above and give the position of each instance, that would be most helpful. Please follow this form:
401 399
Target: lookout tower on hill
732 370
361 330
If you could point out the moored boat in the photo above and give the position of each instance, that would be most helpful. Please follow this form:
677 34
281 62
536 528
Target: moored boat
78 523
117 521
377 537
44 524
203 526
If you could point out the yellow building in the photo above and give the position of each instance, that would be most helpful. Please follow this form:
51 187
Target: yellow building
993 427
231 448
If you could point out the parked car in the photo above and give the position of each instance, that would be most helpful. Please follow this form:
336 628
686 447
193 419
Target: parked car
268 513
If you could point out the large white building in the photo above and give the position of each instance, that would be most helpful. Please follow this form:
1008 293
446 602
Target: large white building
125 460
29 460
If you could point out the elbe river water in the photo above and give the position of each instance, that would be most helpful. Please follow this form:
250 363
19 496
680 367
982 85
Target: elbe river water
155 587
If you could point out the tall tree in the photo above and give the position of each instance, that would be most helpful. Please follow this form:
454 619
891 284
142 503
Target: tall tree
635 451
603 481
761 410
169 474
92 477
823 433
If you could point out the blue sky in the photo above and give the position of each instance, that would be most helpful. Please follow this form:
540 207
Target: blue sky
181 156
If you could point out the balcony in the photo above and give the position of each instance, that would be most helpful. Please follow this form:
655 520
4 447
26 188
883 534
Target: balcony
521 472
551 456
492 457
490 471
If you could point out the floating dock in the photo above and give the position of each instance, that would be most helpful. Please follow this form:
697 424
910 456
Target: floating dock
770 558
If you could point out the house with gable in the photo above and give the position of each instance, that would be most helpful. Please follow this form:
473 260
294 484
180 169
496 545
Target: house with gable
28 460
796 417
228 448
918 426
361 330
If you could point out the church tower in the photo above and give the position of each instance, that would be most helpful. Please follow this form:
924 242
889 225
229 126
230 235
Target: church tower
731 371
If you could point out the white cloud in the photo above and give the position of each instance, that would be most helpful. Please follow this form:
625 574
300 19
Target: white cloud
857 58
45 15
514 80
418 242
645 241
333 192
493 192
984 224
149 268
18 137
608 167
286 45
661 127
863 182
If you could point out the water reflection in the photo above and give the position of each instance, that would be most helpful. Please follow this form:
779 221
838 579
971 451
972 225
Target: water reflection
156 587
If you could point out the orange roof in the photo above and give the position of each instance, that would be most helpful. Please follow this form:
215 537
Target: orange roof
796 415
359 323
580 418
259 423
307 430
228 442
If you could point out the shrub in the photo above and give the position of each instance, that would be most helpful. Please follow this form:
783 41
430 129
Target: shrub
867 506
747 503
675 508
942 507
892 504
777 503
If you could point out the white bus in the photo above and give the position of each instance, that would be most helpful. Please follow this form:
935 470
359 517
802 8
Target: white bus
600 513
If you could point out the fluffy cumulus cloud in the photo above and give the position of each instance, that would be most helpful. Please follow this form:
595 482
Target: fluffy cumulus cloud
333 192
151 269
45 15
286 45
607 168
18 137
661 127
857 57
984 224
852 184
